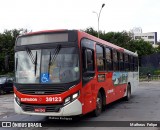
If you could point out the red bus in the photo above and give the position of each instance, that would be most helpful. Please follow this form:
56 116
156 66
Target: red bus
69 72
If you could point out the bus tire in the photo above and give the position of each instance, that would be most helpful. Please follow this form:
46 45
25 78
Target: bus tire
128 96
98 109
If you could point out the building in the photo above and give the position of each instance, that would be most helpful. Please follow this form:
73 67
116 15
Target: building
149 37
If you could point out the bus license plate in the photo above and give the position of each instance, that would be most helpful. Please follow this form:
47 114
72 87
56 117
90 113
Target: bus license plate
40 110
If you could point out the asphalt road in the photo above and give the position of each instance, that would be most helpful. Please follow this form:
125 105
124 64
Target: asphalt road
143 106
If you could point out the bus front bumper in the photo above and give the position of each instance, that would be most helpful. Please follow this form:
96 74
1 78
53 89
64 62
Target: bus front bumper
72 109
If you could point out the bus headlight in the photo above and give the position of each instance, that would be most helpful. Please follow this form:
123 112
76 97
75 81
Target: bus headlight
67 100
74 96
71 98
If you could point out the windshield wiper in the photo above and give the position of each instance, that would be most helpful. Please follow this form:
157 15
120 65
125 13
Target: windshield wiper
35 67
32 58
52 58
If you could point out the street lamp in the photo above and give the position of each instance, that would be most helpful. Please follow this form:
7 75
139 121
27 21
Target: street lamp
98 16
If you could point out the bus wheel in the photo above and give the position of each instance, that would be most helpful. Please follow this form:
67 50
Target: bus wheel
128 96
98 109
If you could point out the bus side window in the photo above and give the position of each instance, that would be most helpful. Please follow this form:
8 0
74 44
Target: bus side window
115 60
135 64
100 58
121 61
118 60
126 60
109 64
131 63
88 60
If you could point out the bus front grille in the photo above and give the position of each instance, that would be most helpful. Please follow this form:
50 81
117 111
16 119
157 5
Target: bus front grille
44 91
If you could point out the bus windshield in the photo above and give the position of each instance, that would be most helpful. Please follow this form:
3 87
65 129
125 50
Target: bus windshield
52 66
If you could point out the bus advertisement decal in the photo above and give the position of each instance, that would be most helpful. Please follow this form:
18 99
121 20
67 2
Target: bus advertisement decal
120 78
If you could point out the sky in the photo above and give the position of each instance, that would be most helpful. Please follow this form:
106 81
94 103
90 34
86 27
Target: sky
117 15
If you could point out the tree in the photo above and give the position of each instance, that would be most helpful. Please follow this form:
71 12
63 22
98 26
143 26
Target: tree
157 49
119 38
91 31
141 47
7 42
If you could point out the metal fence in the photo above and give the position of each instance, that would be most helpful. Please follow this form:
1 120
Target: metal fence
152 60
151 64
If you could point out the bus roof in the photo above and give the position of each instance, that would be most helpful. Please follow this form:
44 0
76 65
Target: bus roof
86 35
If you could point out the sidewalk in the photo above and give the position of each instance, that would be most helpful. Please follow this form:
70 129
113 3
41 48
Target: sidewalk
152 81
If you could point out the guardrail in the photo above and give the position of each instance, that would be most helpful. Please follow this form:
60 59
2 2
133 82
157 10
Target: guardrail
146 78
